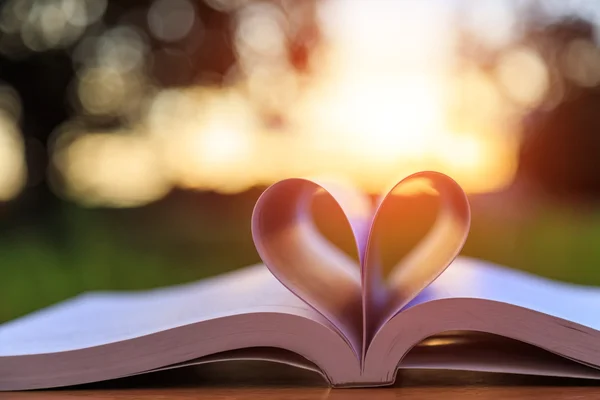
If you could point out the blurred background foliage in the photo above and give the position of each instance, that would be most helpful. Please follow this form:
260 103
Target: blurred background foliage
136 136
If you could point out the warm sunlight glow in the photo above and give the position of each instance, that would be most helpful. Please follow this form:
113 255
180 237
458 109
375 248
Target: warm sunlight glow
111 169
213 141
12 161
376 100
216 155
482 162
524 76
380 120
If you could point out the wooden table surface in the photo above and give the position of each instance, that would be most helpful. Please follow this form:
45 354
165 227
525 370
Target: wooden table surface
252 381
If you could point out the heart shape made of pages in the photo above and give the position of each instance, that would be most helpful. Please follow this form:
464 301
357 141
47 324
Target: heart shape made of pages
353 296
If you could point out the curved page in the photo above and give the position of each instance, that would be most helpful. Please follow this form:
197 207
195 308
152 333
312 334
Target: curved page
474 295
477 279
100 318
101 336
303 260
382 299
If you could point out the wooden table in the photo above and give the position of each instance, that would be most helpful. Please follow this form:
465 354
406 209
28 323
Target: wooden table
271 381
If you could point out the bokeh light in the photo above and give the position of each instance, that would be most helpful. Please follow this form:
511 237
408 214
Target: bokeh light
351 93
13 172
123 48
117 169
524 76
39 26
259 33
171 20
206 137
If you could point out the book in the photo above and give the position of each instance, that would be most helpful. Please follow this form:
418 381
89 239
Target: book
312 306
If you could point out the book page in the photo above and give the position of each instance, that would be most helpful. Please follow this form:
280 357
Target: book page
99 318
471 278
468 351
478 296
385 297
305 261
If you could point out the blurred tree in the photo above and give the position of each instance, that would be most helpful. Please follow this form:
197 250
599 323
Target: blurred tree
559 135
45 76
560 148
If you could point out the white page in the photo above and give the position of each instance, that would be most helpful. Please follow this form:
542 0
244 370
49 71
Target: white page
471 278
104 317
490 353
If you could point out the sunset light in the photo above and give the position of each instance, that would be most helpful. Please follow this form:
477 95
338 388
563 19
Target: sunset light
372 109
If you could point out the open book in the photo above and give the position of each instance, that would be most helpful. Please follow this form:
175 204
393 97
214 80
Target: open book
312 306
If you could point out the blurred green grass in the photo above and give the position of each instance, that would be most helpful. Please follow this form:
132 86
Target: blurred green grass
112 250
558 241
